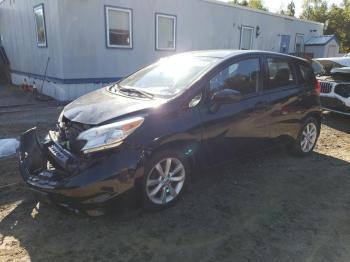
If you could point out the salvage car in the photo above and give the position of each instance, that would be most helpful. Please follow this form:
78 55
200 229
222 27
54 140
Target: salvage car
334 77
152 129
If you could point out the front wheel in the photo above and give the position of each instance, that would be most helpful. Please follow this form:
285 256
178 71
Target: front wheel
307 137
164 180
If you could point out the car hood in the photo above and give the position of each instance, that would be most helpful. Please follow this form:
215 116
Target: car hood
341 74
341 70
100 106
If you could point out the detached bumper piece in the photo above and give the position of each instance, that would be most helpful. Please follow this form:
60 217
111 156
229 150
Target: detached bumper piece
36 168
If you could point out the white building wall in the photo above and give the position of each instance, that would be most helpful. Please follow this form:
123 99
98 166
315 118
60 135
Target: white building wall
200 25
77 37
18 36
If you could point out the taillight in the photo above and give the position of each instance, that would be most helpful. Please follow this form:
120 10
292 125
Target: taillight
318 87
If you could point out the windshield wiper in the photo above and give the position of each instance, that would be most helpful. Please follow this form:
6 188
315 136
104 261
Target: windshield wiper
136 91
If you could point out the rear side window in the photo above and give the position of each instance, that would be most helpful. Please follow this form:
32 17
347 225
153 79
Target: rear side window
243 76
280 73
307 75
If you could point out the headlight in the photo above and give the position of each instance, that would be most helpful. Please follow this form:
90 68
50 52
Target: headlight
108 136
60 118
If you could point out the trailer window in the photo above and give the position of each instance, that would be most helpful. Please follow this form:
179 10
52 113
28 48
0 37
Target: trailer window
246 38
165 32
119 27
39 16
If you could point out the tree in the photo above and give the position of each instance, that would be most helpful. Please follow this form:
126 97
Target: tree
312 8
256 4
339 24
291 9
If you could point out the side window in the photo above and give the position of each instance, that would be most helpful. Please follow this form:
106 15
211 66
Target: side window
307 75
243 76
280 73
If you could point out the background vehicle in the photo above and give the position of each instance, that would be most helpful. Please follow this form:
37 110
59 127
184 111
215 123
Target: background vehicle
335 83
151 129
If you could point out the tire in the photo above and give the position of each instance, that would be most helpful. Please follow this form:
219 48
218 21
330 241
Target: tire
162 191
302 145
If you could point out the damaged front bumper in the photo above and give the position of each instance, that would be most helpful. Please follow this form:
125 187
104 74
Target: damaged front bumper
73 182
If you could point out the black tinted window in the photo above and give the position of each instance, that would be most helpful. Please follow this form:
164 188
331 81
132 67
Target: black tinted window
280 73
243 76
307 74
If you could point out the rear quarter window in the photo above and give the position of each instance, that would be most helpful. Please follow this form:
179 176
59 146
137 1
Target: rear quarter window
280 73
307 75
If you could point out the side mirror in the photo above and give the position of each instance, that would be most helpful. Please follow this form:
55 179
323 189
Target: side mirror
226 96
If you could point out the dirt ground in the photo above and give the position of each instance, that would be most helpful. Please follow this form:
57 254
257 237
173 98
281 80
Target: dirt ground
272 208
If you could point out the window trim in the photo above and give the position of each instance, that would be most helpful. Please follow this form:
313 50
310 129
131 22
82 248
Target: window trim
174 17
35 8
121 9
251 38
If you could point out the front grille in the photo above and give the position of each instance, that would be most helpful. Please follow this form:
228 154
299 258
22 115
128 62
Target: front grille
69 133
326 87
342 90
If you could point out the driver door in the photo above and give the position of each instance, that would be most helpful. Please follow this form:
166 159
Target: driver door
241 127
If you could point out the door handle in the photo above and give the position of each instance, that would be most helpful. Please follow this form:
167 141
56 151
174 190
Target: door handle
261 105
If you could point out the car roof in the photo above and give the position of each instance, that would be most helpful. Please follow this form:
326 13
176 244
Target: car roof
230 53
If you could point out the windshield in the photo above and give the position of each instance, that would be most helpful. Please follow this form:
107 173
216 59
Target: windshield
169 76
329 64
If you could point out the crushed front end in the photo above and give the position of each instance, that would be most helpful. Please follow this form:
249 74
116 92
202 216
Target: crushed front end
57 170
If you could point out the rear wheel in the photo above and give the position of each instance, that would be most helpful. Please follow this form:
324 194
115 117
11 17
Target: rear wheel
307 137
164 180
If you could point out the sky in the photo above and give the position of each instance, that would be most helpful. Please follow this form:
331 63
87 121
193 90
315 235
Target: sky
275 5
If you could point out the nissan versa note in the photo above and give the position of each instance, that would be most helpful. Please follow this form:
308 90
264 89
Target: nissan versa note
150 130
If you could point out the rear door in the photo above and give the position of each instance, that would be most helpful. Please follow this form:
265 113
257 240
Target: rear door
287 95
237 128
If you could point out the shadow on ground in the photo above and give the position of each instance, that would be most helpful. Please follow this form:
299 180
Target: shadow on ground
272 208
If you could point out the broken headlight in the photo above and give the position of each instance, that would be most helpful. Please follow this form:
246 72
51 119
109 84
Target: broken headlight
108 136
60 119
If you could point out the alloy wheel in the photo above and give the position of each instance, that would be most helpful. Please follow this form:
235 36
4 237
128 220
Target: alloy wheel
308 137
165 181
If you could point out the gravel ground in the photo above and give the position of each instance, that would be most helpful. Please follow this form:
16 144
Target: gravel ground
274 207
